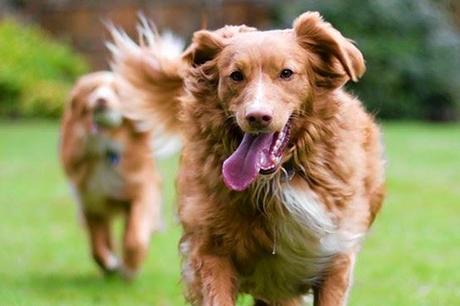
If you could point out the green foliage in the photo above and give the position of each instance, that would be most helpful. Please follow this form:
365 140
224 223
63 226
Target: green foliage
411 50
36 73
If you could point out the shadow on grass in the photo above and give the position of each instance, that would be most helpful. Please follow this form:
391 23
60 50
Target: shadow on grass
89 288
76 281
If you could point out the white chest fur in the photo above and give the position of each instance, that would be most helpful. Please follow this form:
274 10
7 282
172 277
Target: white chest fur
305 240
104 180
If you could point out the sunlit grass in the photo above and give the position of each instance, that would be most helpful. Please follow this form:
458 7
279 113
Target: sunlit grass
411 256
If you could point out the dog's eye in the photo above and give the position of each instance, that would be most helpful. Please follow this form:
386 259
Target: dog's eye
237 76
286 73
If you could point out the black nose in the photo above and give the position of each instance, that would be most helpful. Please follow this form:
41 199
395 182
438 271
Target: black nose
101 104
259 119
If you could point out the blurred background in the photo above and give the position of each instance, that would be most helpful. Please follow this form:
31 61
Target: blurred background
412 47
412 85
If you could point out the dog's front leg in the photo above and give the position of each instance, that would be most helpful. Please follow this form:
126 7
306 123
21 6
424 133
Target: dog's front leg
218 281
143 218
101 242
297 301
335 285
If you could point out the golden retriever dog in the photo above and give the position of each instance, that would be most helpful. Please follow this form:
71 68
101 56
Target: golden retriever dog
281 170
110 166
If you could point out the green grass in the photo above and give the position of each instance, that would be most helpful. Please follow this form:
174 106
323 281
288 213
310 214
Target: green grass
411 257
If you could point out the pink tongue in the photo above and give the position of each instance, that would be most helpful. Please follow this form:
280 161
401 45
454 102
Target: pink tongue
242 167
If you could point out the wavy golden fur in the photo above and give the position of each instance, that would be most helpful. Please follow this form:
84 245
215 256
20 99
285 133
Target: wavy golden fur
299 228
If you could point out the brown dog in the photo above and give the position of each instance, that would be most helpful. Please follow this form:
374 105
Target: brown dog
281 171
110 166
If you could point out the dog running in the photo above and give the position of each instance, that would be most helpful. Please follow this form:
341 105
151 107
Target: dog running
110 166
281 171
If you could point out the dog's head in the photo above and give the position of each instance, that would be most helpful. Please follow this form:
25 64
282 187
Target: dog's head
95 101
265 79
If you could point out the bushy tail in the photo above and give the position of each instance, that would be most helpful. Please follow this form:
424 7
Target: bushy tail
154 69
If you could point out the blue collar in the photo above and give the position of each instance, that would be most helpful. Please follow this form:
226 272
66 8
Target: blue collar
112 157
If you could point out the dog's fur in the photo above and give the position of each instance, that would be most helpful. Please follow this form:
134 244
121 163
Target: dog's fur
111 169
298 229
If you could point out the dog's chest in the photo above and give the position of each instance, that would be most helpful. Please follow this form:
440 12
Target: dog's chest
104 178
304 241
295 262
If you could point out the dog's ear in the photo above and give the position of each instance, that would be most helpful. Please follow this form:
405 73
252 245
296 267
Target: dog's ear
205 46
78 94
73 98
335 58
73 103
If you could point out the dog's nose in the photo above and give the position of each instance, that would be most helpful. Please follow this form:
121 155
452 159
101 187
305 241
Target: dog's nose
259 118
101 104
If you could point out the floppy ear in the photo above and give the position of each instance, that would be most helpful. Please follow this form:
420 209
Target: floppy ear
73 97
205 46
73 103
335 58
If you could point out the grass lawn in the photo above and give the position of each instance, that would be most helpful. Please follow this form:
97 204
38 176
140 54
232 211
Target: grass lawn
411 257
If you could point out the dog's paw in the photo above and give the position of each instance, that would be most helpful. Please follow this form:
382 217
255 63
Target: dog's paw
112 266
128 274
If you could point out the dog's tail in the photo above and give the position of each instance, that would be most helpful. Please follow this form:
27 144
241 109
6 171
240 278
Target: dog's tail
154 70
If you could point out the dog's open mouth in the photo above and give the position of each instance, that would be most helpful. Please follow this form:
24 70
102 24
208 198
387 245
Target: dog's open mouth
256 154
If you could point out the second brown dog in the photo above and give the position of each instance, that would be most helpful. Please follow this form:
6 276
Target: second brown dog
110 166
